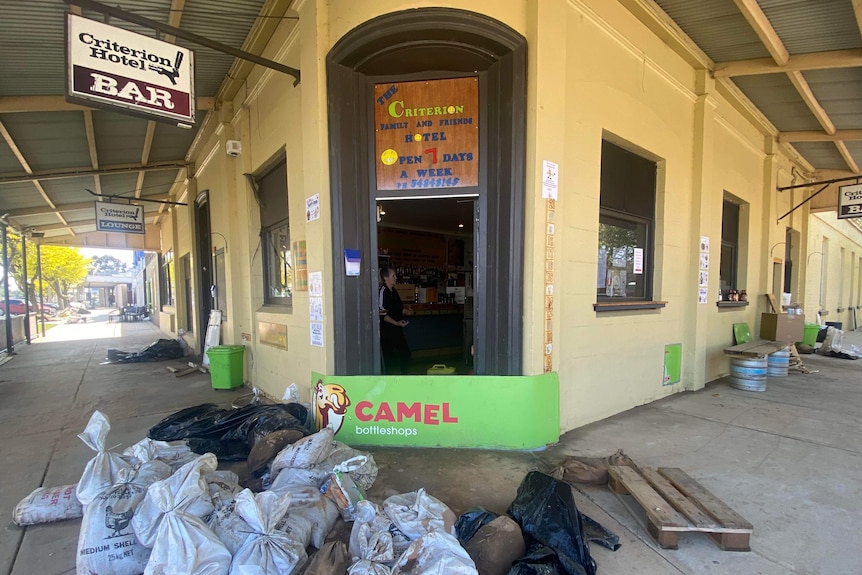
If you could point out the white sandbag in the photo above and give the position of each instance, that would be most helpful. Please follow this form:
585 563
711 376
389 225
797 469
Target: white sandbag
366 567
434 553
107 544
313 477
230 528
47 504
297 527
267 551
181 542
373 545
417 513
102 471
174 453
310 504
305 453
369 527
363 475
223 487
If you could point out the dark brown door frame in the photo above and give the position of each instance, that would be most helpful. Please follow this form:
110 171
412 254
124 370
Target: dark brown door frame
203 229
441 42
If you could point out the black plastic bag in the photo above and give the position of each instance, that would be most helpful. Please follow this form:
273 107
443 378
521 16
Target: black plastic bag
188 422
471 521
546 511
223 450
596 533
157 351
539 560
229 433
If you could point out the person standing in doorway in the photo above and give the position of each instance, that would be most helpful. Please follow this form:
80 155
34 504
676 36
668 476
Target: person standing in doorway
393 344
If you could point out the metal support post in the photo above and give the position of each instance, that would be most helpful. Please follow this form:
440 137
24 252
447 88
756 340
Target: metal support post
26 289
39 273
10 345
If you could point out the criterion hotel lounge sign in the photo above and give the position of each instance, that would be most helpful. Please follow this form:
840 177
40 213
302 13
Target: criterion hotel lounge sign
114 67
119 218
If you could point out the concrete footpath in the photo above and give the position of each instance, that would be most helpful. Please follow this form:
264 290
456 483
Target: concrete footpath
786 459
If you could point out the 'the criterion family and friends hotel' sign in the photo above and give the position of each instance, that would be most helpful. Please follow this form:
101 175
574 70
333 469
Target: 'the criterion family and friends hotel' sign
119 218
117 68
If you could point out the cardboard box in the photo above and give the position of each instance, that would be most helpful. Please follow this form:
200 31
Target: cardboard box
427 295
407 292
782 327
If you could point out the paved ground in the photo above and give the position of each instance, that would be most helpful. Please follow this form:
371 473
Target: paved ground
786 459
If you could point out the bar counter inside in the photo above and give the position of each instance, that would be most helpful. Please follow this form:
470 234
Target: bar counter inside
434 327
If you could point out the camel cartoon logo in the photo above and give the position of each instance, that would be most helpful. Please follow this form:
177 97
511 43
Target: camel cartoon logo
331 404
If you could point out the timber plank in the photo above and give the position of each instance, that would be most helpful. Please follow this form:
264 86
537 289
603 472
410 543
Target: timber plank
727 517
673 503
659 512
755 348
695 514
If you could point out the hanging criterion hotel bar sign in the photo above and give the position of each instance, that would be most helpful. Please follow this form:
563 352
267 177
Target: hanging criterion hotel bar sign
427 134
119 218
112 67
850 202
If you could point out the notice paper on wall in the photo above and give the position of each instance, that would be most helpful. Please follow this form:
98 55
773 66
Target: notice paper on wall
316 334
550 179
315 308
312 208
352 262
315 284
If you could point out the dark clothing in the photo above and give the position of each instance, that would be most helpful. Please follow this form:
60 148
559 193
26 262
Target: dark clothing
393 344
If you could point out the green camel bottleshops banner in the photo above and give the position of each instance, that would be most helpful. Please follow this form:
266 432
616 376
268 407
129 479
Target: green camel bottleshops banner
487 411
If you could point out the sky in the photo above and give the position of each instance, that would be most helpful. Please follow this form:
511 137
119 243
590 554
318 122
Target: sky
122 255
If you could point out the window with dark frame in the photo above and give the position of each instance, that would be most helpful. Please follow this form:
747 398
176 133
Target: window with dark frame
167 283
275 236
729 264
626 220
188 291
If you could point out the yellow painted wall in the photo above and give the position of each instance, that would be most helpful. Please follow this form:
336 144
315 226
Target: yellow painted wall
594 71
840 279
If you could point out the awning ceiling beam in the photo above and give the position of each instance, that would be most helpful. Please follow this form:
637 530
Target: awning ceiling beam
185 35
84 172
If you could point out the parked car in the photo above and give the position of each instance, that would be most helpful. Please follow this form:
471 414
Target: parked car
17 306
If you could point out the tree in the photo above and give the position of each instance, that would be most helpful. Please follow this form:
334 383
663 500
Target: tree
63 268
106 265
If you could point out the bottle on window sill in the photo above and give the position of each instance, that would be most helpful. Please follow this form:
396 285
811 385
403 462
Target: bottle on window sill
743 296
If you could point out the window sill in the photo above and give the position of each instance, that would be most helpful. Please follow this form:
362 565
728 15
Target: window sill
274 309
628 305
732 303
840 309
823 312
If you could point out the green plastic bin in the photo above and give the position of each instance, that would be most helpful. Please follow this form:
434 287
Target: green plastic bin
809 336
226 365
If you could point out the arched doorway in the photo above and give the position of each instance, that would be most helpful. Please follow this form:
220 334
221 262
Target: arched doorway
424 44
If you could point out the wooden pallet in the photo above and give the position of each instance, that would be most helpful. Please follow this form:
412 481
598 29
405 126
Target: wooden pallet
675 503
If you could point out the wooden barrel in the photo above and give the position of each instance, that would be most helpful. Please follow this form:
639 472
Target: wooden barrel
748 374
778 362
